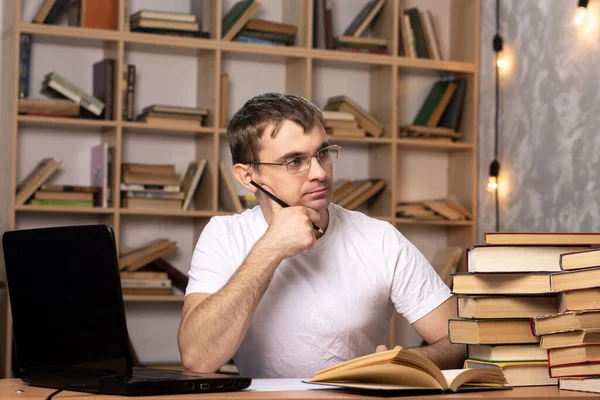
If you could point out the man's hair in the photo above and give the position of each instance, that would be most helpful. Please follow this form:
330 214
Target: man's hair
248 124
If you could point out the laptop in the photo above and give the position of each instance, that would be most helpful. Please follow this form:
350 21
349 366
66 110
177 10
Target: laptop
69 321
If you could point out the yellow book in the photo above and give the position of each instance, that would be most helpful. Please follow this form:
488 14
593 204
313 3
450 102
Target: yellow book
402 370
518 373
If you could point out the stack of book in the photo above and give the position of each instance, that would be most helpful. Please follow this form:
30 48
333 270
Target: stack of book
36 178
439 115
417 37
571 333
151 186
64 195
506 286
179 116
268 32
146 283
169 23
342 124
433 210
57 86
365 120
353 194
352 40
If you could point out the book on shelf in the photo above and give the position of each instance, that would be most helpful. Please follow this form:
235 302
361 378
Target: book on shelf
438 209
148 168
518 373
148 291
103 85
190 181
363 19
129 71
49 11
228 195
361 43
418 32
145 178
433 45
55 107
102 173
151 203
178 278
491 331
350 132
24 64
352 203
164 283
543 238
322 34
439 133
570 339
64 196
506 306
136 258
470 283
160 15
237 17
451 116
99 14
364 119
139 275
149 187
61 203
133 194
401 369
262 25
173 32
55 85
69 188
506 352
492 258
360 187
36 177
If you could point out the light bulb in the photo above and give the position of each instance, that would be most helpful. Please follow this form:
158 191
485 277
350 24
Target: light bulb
492 183
580 15
501 61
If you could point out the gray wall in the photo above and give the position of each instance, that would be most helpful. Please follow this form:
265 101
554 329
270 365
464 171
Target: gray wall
550 117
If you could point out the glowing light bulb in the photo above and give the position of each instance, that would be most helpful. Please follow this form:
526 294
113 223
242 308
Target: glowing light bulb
492 183
501 61
580 15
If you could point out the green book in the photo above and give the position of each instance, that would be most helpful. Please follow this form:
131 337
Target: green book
64 203
233 15
431 102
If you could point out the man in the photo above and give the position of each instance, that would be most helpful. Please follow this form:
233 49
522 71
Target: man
282 299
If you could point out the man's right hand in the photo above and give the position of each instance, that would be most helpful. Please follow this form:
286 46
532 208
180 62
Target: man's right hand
290 231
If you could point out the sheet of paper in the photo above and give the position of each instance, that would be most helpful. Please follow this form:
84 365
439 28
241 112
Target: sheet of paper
279 385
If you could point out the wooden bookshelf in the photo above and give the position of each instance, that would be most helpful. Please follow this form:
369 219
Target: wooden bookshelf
404 163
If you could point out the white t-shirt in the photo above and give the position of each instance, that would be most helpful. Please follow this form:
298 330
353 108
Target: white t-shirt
326 306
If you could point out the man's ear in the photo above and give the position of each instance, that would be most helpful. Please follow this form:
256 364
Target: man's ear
244 174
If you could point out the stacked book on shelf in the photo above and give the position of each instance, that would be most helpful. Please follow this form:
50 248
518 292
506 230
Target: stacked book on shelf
353 194
418 38
131 262
167 23
267 32
364 120
178 116
352 38
146 283
507 289
48 107
433 210
439 115
159 186
571 332
64 195
342 124
57 86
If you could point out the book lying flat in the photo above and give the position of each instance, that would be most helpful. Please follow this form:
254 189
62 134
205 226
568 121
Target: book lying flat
580 259
580 384
501 283
565 322
543 238
573 338
519 373
507 352
402 370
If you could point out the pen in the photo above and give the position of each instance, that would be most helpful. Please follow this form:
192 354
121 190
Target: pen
278 201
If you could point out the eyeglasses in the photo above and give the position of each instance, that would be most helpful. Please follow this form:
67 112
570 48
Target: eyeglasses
327 155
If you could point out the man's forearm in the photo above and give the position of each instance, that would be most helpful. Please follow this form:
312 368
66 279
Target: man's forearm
444 354
211 332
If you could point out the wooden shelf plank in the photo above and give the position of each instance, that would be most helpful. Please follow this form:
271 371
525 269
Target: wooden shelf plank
351 57
61 209
435 65
433 144
144 126
411 221
30 120
165 213
68 31
152 298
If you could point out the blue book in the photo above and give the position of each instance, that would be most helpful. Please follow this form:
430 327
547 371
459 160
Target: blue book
24 65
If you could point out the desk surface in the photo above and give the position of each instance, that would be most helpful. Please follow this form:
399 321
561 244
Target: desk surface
9 390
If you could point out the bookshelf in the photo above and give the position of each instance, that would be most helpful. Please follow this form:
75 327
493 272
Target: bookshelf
390 87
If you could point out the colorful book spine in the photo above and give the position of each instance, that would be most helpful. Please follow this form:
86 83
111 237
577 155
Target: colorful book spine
24 65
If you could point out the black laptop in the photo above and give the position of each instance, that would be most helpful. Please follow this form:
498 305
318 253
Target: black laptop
69 317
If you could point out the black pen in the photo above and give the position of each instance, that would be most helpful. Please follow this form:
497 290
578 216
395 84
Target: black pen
278 201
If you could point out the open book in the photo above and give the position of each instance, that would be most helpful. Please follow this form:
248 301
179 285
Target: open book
400 369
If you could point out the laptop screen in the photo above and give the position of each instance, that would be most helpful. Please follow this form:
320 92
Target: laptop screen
66 301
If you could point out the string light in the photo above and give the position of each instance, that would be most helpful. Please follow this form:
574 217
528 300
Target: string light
581 11
501 62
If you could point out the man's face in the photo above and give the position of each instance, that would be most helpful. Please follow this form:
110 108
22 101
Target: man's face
312 188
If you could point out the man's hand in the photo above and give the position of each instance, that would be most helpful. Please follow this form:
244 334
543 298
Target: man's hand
290 231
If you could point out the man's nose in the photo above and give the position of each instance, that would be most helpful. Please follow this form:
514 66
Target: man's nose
316 170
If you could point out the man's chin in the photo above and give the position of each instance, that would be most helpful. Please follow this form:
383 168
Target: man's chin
318 204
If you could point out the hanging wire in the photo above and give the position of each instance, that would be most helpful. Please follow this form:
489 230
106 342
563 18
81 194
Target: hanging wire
497 46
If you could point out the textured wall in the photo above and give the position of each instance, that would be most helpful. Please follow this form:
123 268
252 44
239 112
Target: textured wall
550 117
